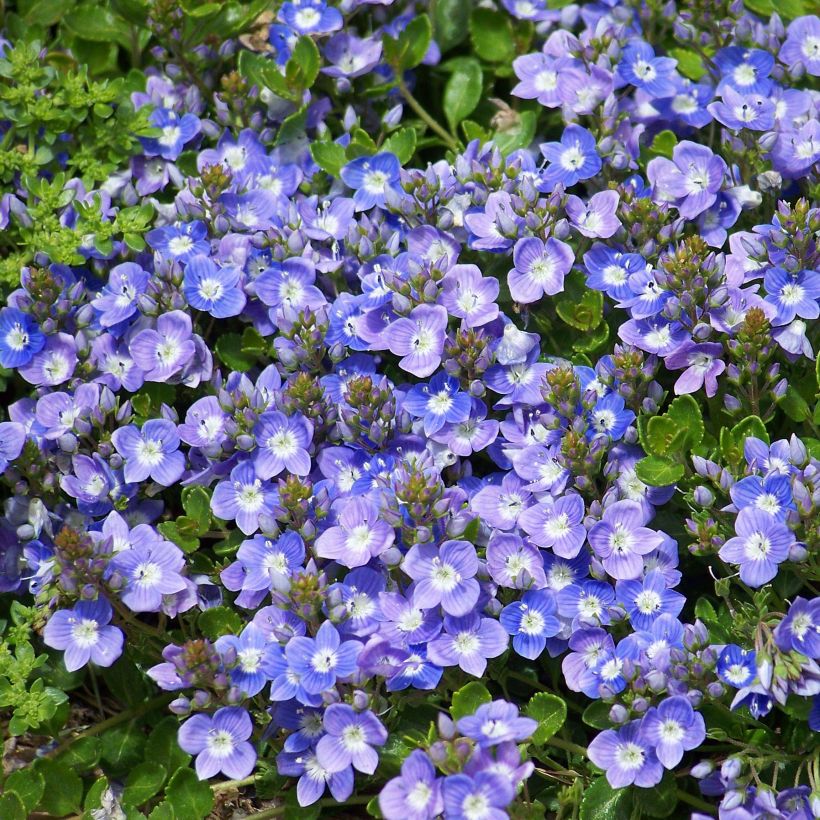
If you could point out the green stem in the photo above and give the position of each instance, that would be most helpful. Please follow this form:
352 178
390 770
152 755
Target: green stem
425 116
685 797
122 717
567 745
230 785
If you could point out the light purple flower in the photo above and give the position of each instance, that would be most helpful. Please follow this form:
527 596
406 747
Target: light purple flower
572 159
558 525
444 575
627 756
150 452
496 722
85 634
468 642
117 301
212 289
419 339
350 739
483 797
802 44
359 535
318 662
762 542
163 352
244 498
12 439
540 268
415 793
150 570
313 777
282 444
620 539
673 728
514 563
597 217
470 296
220 743
703 365
531 621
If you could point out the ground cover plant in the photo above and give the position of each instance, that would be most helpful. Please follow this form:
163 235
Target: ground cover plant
410 410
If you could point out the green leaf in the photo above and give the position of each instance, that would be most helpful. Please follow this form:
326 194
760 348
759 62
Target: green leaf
602 802
303 66
98 23
402 143
689 63
293 127
162 745
190 797
329 156
491 33
196 501
450 22
218 621
550 711
660 800
732 441
678 430
584 313
185 541
63 788
229 350
463 90
28 784
467 699
263 73
12 806
408 50
597 715
143 782
794 405
663 145
592 340
659 472
518 135
83 754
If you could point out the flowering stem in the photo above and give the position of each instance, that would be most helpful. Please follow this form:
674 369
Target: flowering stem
567 745
230 785
448 140
278 811
685 797
121 717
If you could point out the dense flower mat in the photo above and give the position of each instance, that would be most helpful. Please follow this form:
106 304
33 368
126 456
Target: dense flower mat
410 410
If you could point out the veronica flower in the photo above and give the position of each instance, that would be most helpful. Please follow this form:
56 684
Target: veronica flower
204 424
419 339
795 294
85 635
486 233
310 16
496 722
150 571
245 156
176 130
597 217
319 661
438 403
349 739
282 444
738 111
254 656
244 498
163 352
114 364
655 334
467 642
54 364
627 756
270 564
609 270
12 440
472 435
91 482
646 600
117 301
586 601
444 575
531 621
610 417
572 159
620 539
702 365
737 666
150 452
762 542
220 743
673 728
470 296
772 494
640 67
802 44
483 797
540 268
350 56
403 622
799 631
501 506
796 151
290 285
691 179
211 289
314 778
370 177
557 525
746 70
416 791
179 242
359 535
20 338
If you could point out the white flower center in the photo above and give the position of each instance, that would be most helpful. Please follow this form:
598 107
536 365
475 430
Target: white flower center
85 632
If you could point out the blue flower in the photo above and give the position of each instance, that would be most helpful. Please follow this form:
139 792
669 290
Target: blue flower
572 159
20 338
255 656
438 403
212 289
176 132
610 417
319 661
531 621
737 666
311 17
640 67
370 177
179 242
